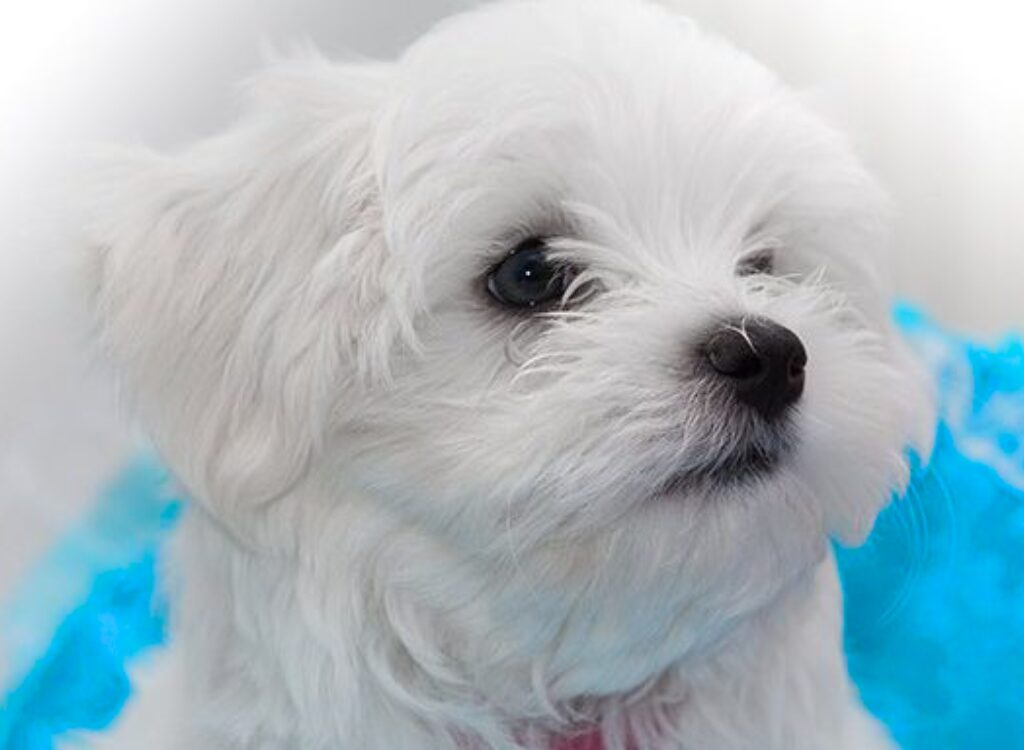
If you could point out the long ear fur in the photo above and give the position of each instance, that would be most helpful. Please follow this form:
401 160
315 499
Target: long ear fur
221 280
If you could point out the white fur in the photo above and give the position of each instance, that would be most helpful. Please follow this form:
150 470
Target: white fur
421 522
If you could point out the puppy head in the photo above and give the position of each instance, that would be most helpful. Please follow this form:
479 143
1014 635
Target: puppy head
571 284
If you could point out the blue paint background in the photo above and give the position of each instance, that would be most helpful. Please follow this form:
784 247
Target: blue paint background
87 611
935 599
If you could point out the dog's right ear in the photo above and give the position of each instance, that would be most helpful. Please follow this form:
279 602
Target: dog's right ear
237 284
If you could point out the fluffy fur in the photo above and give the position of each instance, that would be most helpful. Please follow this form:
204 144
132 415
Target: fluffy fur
421 521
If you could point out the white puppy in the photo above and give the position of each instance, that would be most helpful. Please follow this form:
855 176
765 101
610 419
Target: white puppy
519 385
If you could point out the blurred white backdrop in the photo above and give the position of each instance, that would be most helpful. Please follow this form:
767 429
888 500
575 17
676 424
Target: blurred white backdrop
931 92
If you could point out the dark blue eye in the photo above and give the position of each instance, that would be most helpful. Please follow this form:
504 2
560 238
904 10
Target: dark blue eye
527 277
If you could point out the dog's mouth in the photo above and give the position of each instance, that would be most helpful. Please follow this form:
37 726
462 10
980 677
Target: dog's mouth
746 464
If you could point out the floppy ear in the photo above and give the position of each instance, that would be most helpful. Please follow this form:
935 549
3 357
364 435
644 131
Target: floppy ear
236 282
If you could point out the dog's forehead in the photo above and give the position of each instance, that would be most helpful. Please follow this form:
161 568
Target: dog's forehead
572 93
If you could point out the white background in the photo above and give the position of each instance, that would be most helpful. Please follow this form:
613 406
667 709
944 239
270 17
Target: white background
930 90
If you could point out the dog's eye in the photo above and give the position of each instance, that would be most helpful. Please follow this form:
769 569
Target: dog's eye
528 278
759 262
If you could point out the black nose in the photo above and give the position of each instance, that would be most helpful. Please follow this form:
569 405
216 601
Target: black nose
763 362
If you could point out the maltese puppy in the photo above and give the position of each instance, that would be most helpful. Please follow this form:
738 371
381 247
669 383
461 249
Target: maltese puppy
519 386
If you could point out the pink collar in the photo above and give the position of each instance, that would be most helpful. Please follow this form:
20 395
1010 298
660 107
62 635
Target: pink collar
591 741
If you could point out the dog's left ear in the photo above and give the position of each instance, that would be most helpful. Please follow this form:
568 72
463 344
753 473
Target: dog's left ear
236 284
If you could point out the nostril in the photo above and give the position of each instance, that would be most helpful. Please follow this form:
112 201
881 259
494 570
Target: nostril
796 367
731 355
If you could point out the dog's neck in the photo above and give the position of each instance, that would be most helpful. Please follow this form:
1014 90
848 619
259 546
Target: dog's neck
343 637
